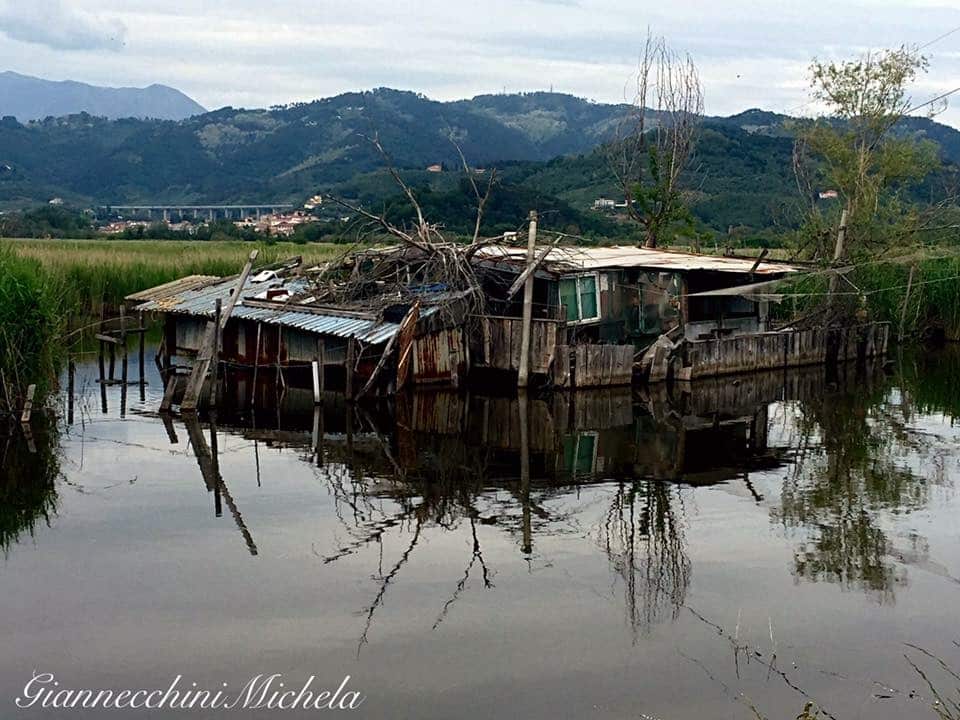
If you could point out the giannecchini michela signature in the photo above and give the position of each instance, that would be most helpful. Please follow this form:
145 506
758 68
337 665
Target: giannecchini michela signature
260 692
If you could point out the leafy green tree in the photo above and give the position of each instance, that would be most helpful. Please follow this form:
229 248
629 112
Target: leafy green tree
854 151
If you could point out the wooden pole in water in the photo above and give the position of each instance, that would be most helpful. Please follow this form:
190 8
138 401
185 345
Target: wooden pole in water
123 368
201 365
215 380
524 370
351 361
906 301
256 366
315 366
322 355
143 336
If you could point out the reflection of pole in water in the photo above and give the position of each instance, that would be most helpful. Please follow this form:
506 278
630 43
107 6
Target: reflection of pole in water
211 476
71 376
215 457
527 546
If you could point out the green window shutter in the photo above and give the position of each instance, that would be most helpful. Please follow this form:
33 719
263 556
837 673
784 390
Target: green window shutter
568 297
588 297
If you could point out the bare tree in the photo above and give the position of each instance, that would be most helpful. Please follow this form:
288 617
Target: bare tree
654 142
481 197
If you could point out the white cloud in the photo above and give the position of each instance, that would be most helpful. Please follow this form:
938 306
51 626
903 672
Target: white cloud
51 23
751 53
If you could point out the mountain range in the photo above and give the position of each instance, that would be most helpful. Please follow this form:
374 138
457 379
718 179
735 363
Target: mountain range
31 98
546 146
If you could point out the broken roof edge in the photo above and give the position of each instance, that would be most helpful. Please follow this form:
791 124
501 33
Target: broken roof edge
565 259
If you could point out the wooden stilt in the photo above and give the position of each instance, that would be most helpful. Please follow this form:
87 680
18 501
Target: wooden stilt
123 367
256 367
217 339
198 376
168 394
350 364
315 366
143 336
322 357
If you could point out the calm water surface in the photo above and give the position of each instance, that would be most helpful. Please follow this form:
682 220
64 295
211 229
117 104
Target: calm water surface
676 555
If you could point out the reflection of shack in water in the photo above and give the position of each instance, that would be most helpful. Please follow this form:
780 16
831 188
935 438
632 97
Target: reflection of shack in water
698 434
451 462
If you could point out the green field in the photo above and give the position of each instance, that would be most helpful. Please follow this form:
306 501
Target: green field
88 273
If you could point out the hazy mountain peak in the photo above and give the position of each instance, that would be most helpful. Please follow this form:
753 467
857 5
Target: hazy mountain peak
32 98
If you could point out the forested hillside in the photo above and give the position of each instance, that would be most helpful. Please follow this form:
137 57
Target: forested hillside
546 146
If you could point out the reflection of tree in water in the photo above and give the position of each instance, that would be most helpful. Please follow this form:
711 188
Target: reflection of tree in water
448 488
851 468
642 534
28 492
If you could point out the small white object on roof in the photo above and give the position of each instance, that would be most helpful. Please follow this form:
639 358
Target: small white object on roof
263 276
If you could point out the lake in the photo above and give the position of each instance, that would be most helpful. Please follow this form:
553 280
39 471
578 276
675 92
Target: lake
726 550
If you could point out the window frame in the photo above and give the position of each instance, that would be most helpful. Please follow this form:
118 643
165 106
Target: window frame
596 290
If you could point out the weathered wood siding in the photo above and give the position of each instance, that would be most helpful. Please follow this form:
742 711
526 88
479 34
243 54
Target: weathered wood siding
440 357
767 351
601 365
498 344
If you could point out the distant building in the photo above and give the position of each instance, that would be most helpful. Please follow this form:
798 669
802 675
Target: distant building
56 201
313 202
436 167
603 203
828 195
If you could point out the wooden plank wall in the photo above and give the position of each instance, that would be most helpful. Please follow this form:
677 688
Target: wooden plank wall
767 351
603 365
500 344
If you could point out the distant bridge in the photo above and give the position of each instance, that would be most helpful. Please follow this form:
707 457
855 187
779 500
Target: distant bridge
211 211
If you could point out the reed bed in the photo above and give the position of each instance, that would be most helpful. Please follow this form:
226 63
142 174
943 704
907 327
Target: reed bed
90 273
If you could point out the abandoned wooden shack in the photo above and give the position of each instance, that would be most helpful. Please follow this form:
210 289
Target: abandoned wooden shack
288 321
598 309
379 319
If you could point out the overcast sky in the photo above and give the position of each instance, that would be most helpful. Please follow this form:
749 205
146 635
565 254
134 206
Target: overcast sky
253 53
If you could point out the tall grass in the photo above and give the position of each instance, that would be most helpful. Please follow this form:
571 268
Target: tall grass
931 304
88 273
31 319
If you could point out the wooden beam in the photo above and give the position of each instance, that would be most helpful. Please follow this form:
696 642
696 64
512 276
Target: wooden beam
107 339
201 367
168 393
350 366
310 309
410 319
524 370
530 269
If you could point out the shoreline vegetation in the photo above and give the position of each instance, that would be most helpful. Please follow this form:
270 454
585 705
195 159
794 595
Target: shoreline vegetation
46 284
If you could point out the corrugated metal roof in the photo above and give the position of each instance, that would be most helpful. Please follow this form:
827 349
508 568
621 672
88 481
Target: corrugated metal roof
174 288
201 302
574 259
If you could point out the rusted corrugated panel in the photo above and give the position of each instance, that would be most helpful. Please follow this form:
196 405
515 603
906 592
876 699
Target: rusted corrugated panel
437 357
198 300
